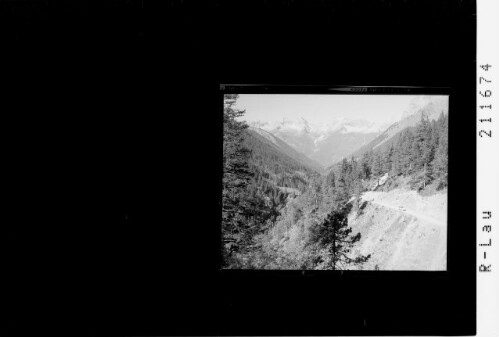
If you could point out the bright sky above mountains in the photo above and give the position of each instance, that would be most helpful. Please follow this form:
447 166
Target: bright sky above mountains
324 109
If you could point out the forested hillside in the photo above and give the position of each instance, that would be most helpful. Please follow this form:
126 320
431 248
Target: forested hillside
267 147
420 107
261 174
279 213
420 152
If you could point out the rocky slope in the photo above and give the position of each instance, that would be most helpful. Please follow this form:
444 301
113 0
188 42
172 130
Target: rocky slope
402 230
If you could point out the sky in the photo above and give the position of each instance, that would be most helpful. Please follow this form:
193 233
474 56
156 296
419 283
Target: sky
323 109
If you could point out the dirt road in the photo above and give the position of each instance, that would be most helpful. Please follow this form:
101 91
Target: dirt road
402 230
400 206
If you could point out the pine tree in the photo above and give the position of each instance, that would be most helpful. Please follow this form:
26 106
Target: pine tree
425 140
440 162
334 234
365 167
356 177
343 187
423 132
387 159
331 179
316 193
435 134
377 164
236 207
405 159
415 162
396 166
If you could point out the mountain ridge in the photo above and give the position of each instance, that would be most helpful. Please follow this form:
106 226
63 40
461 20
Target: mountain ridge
323 144
344 137
286 149
411 117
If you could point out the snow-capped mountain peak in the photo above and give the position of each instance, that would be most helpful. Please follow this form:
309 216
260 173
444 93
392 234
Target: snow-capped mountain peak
343 125
325 143
435 104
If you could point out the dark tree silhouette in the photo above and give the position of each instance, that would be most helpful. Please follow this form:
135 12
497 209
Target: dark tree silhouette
236 178
335 234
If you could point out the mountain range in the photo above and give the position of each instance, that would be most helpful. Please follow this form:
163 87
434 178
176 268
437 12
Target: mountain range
325 144
277 147
320 146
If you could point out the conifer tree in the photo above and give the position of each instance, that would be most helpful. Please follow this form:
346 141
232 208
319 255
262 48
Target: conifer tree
365 167
435 134
415 162
423 132
334 234
440 162
331 179
343 186
377 164
396 167
235 204
387 159
406 142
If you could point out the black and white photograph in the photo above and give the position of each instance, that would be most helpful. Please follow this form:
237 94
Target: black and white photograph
335 182
249 168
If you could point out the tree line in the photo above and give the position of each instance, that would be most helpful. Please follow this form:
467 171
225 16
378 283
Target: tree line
419 152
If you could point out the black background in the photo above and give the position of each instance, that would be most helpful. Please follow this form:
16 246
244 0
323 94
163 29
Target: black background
120 108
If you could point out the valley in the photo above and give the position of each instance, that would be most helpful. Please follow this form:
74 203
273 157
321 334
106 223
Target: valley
325 145
284 208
